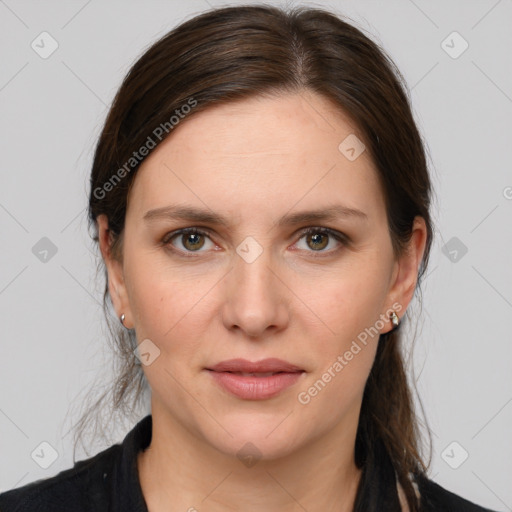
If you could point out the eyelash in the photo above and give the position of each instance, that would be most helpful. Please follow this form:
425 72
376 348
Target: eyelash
340 237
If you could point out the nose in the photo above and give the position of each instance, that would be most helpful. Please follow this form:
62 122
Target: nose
256 300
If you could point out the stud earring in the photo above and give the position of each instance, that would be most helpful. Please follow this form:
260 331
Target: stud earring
394 320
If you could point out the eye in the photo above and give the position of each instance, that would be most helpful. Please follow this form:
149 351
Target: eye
318 239
191 240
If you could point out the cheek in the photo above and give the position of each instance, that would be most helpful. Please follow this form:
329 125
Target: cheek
346 354
341 360
350 302
346 339
164 300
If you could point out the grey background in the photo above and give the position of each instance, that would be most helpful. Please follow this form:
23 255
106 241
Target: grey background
53 345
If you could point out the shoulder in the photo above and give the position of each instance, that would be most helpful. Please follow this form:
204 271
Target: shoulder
107 481
80 488
435 497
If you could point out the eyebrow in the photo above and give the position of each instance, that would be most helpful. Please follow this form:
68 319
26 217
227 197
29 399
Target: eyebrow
189 213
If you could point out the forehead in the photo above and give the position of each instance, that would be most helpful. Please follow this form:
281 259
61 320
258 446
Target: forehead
300 124
259 152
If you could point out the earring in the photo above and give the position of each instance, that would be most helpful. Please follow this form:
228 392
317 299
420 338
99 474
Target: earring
394 320
121 319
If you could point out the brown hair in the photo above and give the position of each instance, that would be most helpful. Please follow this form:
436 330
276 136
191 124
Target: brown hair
236 52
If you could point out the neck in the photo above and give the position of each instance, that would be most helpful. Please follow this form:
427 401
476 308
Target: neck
180 471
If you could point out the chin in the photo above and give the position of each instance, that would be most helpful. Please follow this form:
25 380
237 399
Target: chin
262 438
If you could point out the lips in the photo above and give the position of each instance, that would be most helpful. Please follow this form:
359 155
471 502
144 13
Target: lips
261 374
255 381
260 368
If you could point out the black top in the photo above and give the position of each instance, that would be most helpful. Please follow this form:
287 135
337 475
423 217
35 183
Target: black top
109 481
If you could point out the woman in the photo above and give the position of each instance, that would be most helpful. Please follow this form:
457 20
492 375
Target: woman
261 199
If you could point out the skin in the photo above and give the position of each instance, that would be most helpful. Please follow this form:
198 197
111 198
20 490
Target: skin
254 161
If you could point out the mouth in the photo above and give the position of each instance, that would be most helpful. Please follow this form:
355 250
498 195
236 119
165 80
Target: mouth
265 366
256 374
255 380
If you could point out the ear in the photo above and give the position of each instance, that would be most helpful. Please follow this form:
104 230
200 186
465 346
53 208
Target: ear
116 283
405 271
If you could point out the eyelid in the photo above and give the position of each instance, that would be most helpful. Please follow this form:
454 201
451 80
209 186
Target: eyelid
340 237
166 241
323 229
183 231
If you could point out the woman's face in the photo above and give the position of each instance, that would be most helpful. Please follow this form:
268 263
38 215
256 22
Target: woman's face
254 285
